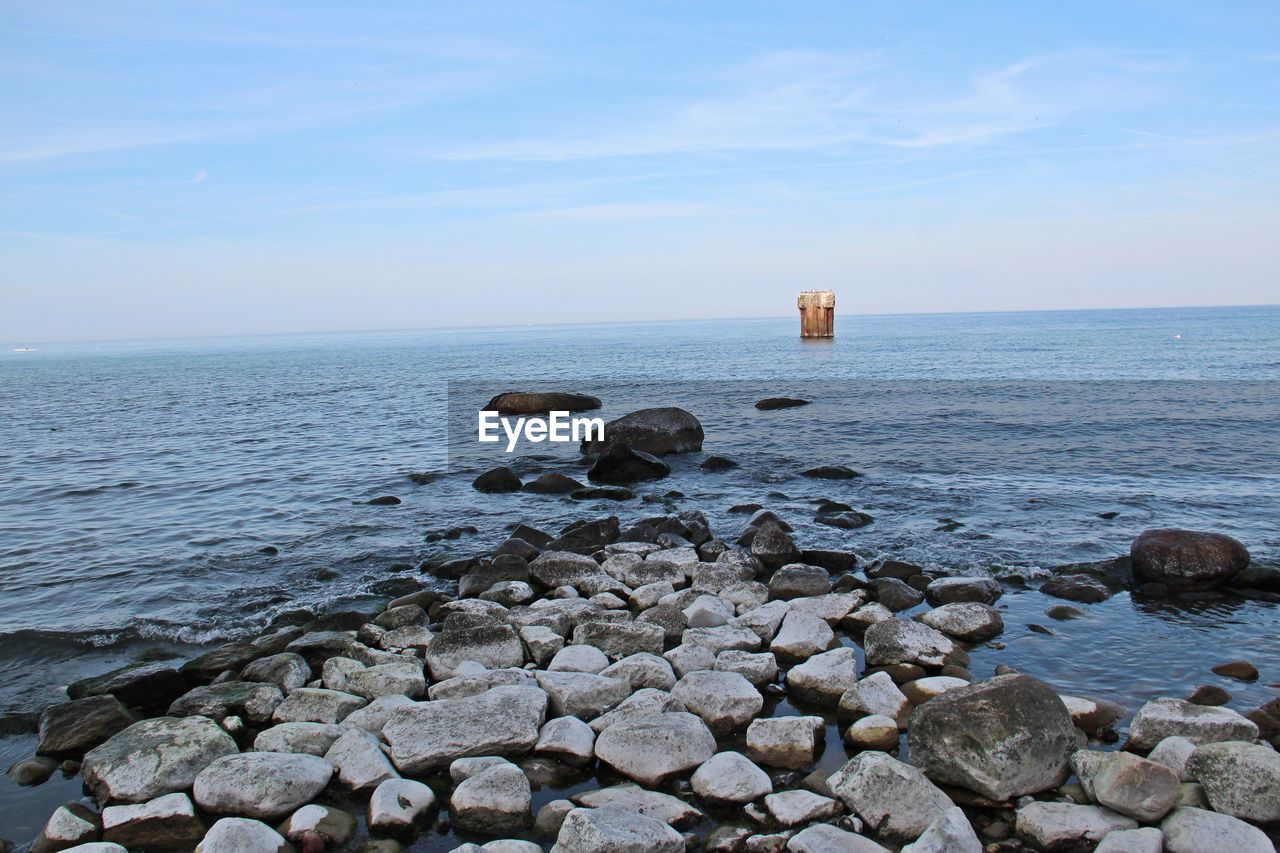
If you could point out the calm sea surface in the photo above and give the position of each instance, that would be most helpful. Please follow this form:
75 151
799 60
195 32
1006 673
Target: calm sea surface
141 482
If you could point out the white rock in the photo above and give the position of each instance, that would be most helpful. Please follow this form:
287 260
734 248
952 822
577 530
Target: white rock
374 716
568 739
709 611
760 668
643 702
1240 779
831 607
404 678
334 825
502 721
399 805
619 639
239 835
801 636
825 838
463 769
765 620
315 705
287 670
1200 724
337 670
873 732
787 742
730 778
1191 830
616 830
968 621
360 763
950 832
542 643
262 785
1066 826
923 689
163 823
722 637
1133 786
578 659
642 670
494 801
306 738
582 694
724 700
876 694
1174 752
664 807
1146 839
793 808
904 641
655 747
685 659
895 799
66 828
824 678
475 683
154 757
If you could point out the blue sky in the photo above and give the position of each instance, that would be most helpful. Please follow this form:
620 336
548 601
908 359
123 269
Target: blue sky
205 168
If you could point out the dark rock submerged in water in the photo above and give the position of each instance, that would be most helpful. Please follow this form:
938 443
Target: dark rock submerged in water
658 432
619 465
769 404
497 480
830 472
541 402
1186 560
552 484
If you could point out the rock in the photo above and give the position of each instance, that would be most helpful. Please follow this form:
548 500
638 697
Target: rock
400 806
615 829
316 705
1240 779
970 622
722 638
708 611
33 771
725 701
305 738
1186 560
211 664
167 822
1200 724
830 472
579 659
824 678
620 465
1133 786
1209 694
897 802
801 636
653 747
873 732
491 644
1174 753
148 686
504 721
262 785
541 642
685 659
1192 830
359 762
384 500
759 668
552 484
154 757
1066 826
876 695
333 826
567 739
642 703
1095 717
1001 738
286 670
540 402
68 826
950 832
769 404
1145 839
495 801
655 431
563 568
586 537
508 593
619 640
718 463
922 690
1063 612
241 835
895 594
773 546
643 669
581 694
72 728
1241 670
1082 588
963 589
787 742
902 641
248 700
497 481
730 778
825 838
670 810
797 580
793 808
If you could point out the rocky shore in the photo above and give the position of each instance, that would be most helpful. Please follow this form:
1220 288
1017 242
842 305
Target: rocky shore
677 688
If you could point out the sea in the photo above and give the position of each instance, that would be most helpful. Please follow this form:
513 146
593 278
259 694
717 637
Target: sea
160 496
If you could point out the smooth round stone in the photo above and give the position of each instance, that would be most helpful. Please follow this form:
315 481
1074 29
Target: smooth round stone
873 732
732 779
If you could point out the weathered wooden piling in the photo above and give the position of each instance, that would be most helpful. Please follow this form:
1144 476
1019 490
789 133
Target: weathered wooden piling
817 313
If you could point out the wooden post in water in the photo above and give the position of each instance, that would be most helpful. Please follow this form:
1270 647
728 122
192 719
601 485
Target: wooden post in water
817 313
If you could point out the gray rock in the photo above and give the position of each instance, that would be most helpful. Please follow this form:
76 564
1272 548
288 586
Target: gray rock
1146 839
241 835
581 694
950 832
1192 830
154 757
167 822
359 762
616 830
801 636
251 701
334 826
647 700
1174 752
148 686
654 747
825 838
876 694
1200 724
1133 786
72 728
492 644
462 686
642 670
963 589
895 799
970 622
670 810
261 785
902 641
495 801
794 808
797 580
773 546
895 594
579 659
787 742
1186 559
759 668
873 732
824 678
659 431
567 739
725 701
287 670
1066 826
685 659
316 705
304 738
68 826
1240 779
373 717
503 721
402 678
618 640
399 806
730 778
563 568
765 620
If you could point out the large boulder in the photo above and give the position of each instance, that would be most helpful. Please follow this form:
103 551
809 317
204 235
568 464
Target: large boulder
154 757
1186 559
147 686
824 678
1200 724
620 465
897 802
1192 830
956 590
730 778
503 721
773 546
725 701
582 694
261 785
495 801
487 642
616 829
70 729
950 832
1240 779
1133 786
540 402
1001 738
970 622
654 431
903 641
654 747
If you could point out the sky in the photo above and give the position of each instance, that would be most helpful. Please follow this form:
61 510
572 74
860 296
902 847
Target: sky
179 168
